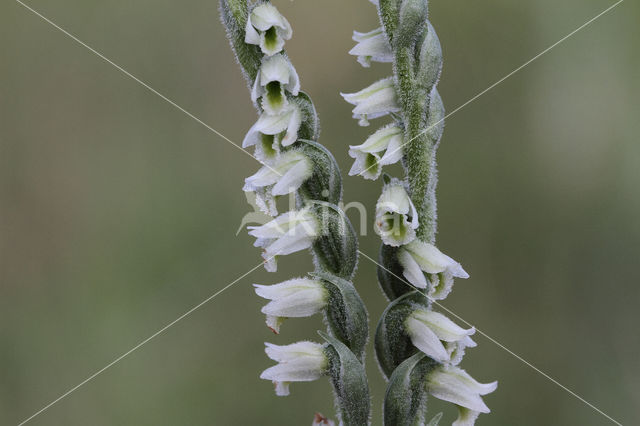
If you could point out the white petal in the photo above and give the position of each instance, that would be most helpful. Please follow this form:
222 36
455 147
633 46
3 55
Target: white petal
380 140
282 388
293 371
426 340
433 261
393 154
293 351
293 126
411 269
372 46
266 15
453 384
294 177
442 326
367 165
251 35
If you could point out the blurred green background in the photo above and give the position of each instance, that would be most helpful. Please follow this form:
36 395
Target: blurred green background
118 212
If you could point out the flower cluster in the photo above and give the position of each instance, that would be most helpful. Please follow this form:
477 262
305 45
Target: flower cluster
294 165
405 211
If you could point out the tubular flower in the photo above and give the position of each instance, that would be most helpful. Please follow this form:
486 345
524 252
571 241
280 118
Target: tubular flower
273 130
297 362
276 75
267 28
455 385
296 298
284 176
437 336
396 217
419 256
385 142
374 101
372 46
288 233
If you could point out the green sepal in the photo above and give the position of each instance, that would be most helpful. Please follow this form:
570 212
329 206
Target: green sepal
234 15
335 250
349 382
346 314
405 400
390 276
392 344
310 127
430 59
326 182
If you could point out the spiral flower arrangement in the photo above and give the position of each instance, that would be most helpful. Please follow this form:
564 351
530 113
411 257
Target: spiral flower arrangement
294 164
418 349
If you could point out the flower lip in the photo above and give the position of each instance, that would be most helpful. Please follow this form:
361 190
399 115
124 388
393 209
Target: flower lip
267 28
396 216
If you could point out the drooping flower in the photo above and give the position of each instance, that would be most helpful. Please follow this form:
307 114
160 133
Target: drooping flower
437 336
396 217
273 130
267 28
288 233
374 101
283 176
418 256
296 298
372 46
453 384
382 148
276 74
297 362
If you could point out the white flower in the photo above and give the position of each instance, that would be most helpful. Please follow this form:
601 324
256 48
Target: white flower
418 256
271 130
296 298
367 155
276 74
298 362
374 101
284 176
437 336
396 217
453 384
267 28
372 46
288 233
